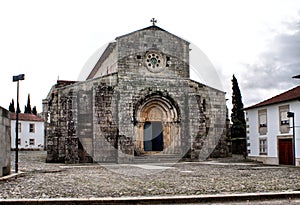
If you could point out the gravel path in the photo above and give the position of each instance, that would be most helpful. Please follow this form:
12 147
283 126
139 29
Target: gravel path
42 180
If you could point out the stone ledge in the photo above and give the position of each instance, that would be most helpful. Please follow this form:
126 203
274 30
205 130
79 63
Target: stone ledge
13 175
157 199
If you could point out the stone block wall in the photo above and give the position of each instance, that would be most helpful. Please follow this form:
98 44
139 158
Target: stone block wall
217 131
81 127
208 127
105 124
5 138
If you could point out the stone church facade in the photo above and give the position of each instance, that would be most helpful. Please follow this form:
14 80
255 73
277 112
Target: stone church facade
138 100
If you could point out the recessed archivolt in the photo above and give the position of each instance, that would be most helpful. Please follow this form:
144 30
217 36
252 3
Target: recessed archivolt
157 108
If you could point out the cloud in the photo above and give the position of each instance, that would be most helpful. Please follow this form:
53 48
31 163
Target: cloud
272 73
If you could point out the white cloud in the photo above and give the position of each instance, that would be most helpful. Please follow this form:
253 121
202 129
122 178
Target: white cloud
272 72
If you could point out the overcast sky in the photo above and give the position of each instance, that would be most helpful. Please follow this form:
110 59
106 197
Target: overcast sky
258 41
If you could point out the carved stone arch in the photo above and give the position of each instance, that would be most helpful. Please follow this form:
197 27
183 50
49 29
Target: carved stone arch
163 113
159 99
162 106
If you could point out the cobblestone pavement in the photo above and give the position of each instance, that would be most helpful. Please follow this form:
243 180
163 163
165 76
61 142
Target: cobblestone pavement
217 176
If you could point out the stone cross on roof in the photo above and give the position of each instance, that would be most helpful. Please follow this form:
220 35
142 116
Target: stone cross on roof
154 21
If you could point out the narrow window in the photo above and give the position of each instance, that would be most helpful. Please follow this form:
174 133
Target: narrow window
204 105
263 146
262 122
284 121
31 141
31 128
19 141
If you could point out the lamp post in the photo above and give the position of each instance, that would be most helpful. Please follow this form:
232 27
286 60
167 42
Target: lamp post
296 76
292 115
17 78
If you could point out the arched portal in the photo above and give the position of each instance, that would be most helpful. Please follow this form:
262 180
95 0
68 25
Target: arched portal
157 127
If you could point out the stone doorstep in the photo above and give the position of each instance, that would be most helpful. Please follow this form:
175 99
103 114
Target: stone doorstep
151 167
159 199
13 175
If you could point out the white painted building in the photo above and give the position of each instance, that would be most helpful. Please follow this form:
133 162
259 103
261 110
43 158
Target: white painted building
31 131
270 131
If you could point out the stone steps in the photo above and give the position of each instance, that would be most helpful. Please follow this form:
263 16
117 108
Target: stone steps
156 158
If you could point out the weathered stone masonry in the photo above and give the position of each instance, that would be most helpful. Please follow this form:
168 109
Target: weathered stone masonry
137 100
5 142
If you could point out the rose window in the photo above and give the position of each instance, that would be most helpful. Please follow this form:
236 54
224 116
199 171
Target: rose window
154 61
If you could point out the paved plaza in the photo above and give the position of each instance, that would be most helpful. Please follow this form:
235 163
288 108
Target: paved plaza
215 176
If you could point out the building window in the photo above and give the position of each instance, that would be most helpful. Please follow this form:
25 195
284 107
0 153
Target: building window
263 146
31 128
19 127
31 142
284 121
262 121
19 141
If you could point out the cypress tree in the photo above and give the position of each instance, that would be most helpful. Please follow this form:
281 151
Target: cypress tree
28 107
34 111
12 106
238 129
18 108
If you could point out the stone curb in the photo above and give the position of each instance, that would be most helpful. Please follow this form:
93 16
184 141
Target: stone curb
227 198
14 175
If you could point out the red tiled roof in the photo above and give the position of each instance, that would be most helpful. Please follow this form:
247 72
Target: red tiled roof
26 117
289 95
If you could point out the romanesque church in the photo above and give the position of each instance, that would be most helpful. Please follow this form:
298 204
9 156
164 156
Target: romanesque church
138 100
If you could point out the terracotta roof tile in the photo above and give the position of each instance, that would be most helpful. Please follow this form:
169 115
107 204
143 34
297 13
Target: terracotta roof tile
26 117
289 95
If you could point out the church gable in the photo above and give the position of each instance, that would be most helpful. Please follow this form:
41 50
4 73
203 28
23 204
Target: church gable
150 50
153 38
153 52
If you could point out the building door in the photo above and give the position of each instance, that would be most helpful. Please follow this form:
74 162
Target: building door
153 136
286 151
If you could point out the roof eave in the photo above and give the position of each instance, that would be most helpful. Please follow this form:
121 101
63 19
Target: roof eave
268 104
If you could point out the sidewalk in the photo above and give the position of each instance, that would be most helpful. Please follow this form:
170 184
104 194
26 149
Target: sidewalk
248 198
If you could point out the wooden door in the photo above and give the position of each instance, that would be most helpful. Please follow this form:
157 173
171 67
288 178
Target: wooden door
286 151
